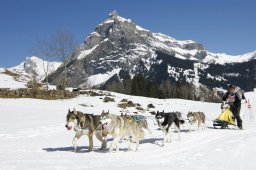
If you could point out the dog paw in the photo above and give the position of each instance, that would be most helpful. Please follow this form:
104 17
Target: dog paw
111 150
114 151
168 141
102 148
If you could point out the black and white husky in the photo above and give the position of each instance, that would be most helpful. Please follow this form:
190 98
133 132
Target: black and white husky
165 121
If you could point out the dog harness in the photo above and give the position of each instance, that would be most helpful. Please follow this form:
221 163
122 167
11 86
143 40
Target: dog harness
138 118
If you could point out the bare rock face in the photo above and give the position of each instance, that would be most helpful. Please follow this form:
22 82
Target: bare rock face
120 46
192 46
117 43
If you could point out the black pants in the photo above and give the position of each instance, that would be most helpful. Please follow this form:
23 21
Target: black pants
235 108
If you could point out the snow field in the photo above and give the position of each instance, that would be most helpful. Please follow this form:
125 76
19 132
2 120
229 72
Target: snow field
33 136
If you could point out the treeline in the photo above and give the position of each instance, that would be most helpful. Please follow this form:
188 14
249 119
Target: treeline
140 86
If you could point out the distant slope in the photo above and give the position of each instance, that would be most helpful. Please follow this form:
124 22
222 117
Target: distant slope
9 81
34 66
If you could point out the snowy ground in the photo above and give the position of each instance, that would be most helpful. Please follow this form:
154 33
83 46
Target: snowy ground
33 136
7 81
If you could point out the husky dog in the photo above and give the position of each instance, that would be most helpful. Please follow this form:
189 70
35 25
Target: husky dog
85 124
120 127
224 106
165 121
196 117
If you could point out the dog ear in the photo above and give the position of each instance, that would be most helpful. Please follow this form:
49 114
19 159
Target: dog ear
108 111
74 110
69 110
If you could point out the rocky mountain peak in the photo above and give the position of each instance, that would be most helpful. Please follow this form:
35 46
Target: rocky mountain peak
120 46
114 23
113 15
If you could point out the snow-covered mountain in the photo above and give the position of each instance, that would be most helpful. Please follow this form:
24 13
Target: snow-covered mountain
34 67
119 48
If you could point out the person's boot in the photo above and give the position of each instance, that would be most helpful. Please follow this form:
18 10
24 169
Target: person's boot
241 127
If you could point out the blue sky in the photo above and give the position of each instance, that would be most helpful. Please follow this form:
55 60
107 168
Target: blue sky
227 26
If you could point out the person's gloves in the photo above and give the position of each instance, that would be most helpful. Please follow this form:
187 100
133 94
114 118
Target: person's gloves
222 104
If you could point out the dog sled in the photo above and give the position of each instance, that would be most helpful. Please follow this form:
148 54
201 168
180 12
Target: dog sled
225 119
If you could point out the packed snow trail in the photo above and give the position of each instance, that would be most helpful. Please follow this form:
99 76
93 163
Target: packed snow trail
33 136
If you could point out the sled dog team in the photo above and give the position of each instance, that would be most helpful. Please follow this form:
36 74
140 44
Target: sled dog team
125 127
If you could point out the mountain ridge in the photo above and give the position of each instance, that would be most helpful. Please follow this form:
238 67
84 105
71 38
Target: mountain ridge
119 45
119 49
34 68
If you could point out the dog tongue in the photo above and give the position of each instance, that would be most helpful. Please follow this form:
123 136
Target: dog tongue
159 124
104 130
